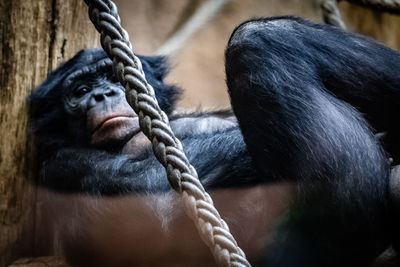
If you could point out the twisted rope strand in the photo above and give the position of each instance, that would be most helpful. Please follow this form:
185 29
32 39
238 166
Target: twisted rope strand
167 148
331 14
391 6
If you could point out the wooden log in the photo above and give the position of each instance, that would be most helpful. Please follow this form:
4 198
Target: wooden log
39 262
35 36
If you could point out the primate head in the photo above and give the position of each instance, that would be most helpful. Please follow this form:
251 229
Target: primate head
82 103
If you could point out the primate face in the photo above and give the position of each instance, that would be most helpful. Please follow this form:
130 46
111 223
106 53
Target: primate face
98 102
84 104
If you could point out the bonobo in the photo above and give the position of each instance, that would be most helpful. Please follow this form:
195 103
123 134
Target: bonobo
308 100
84 126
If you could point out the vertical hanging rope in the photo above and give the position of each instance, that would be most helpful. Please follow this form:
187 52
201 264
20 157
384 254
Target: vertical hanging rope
167 148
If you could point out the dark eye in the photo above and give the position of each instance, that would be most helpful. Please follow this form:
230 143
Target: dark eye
81 91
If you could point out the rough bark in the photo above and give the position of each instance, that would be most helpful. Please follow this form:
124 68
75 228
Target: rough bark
39 262
35 36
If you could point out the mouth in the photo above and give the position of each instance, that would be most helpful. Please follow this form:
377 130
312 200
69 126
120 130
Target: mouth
114 119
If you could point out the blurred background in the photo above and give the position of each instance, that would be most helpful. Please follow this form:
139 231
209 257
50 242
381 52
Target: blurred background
199 66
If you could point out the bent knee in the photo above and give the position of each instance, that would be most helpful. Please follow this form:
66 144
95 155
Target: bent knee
261 31
260 43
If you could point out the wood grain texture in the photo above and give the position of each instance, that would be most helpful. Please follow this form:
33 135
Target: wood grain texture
35 37
39 262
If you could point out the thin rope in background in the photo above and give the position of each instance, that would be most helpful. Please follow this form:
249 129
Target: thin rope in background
331 14
206 12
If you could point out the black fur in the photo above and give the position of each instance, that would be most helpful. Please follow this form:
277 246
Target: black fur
47 111
309 99
291 83
70 164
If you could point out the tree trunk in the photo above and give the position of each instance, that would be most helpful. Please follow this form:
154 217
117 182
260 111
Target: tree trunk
35 36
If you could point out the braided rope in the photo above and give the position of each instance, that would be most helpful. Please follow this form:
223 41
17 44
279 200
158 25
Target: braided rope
331 14
167 148
391 6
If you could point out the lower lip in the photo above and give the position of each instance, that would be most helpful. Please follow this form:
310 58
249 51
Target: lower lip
115 120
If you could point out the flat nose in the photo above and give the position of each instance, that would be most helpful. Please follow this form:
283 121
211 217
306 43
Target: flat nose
98 97
101 95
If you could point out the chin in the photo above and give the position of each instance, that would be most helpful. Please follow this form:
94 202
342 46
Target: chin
114 135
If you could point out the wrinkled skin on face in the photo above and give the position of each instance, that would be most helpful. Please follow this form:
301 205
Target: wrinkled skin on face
82 104
100 104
